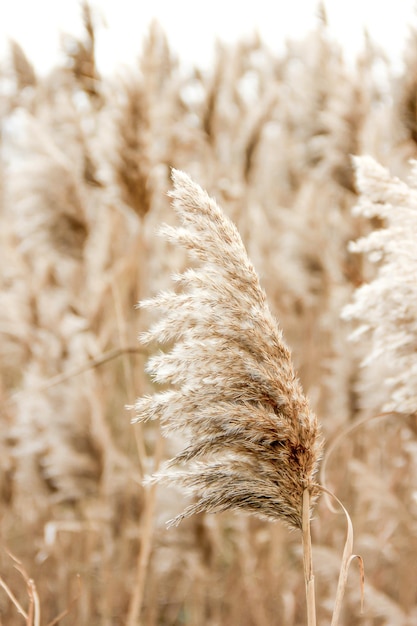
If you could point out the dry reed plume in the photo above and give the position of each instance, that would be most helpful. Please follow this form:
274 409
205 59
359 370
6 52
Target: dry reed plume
252 442
387 318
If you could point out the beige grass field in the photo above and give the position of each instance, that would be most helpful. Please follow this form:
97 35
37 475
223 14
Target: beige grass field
85 172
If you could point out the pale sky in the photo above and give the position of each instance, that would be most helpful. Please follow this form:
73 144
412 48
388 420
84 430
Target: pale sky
192 25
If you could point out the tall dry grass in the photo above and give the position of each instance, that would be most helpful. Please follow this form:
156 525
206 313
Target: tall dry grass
84 174
251 441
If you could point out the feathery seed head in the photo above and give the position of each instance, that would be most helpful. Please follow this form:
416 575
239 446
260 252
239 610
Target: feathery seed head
253 444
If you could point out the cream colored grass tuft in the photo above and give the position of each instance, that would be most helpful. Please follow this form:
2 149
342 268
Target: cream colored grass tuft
252 442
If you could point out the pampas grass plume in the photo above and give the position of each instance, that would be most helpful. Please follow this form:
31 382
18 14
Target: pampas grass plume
252 442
